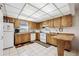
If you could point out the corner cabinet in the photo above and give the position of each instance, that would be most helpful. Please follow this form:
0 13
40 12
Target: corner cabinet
67 21
32 25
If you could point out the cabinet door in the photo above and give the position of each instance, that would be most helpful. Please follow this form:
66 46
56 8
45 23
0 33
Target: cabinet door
37 36
57 22
53 41
17 23
25 38
48 38
51 23
17 39
41 25
67 21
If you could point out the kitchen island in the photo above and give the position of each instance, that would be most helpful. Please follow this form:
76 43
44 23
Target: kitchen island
61 40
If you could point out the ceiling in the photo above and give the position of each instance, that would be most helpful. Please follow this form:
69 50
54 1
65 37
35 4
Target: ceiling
36 12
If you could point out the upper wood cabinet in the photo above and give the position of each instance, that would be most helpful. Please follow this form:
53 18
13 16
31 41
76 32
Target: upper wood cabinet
8 19
41 25
17 23
37 25
32 25
67 21
51 23
57 22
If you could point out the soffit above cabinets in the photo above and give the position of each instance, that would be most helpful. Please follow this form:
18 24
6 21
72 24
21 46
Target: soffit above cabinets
37 12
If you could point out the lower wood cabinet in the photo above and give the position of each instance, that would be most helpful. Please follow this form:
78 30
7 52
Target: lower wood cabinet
38 36
22 38
52 41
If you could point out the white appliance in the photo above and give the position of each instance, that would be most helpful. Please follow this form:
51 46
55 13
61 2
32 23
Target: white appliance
8 32
43 37
33 37
1 33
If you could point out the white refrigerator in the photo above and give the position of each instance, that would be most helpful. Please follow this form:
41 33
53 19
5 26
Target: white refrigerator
1 33
8 32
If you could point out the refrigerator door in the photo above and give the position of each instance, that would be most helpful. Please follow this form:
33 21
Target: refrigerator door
1 39
8 39
1 16
8 27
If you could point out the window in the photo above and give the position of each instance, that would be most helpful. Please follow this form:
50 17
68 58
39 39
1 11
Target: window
23 26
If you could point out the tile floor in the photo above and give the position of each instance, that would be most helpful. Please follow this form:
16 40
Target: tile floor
35 49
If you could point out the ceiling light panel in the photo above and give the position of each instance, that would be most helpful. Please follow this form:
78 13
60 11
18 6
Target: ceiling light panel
56 12
45 16
38 5
61 5
16 5
65 10
38 14
23 17
29 10
49 8
11 9
12 14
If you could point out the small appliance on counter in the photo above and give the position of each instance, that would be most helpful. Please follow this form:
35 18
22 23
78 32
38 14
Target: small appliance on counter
17 30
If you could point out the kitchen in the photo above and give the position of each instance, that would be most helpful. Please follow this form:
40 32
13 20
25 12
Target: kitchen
35 27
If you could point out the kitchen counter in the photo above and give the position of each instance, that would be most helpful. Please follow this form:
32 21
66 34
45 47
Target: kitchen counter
63 41
64 37
22 33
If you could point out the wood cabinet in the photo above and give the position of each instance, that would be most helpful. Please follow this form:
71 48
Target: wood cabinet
51 23
17 23
57 22
64 21
67 21
51 40
38 36
41 25
17 39
32 25
37 25
8 19
25 37
22 38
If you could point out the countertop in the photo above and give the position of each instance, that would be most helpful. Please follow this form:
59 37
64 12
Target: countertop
64 37
22 33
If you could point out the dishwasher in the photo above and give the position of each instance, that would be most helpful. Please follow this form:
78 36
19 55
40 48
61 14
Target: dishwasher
33 37
43 37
